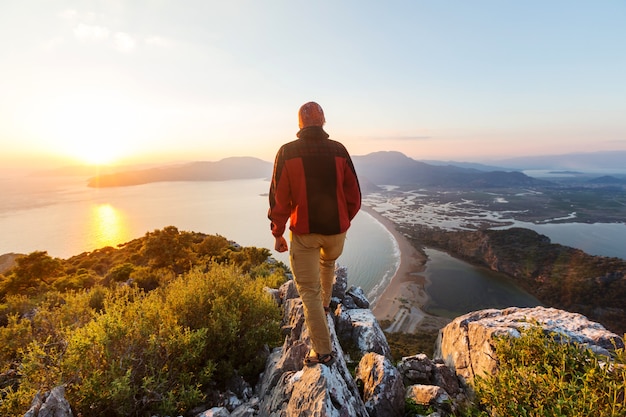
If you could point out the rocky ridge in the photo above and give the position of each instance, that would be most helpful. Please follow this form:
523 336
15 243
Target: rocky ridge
379 388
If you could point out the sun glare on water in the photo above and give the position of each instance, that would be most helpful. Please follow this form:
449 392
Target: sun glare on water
108 226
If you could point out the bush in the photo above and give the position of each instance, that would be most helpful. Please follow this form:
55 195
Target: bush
233 306
540 376
128 352
81 279
120 273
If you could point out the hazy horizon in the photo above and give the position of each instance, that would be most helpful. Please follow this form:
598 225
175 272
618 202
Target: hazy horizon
591 161
131 82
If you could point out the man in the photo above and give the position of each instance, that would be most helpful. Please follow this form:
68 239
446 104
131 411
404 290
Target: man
315 186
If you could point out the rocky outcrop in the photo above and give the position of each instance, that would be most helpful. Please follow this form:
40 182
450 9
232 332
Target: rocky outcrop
287 388
383 388
432 383
50 404
467 343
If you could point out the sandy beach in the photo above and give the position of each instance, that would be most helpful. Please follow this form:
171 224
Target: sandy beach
401 302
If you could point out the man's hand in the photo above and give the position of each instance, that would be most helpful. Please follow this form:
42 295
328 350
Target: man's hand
281 244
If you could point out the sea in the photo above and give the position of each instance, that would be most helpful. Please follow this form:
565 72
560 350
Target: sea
64 217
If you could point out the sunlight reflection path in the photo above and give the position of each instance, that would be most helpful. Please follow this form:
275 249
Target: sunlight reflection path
108 226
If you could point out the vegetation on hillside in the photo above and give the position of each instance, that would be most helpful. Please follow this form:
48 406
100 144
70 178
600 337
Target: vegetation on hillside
147 328
539 375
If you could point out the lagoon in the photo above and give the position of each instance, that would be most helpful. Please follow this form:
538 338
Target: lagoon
456 288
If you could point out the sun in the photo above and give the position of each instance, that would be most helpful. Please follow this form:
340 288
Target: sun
97 128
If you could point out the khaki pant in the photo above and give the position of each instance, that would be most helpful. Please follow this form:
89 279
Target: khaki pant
312 258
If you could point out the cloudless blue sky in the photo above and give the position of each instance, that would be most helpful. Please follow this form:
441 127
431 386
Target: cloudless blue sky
131 80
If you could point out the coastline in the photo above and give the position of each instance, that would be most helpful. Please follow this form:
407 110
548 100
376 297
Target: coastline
401 302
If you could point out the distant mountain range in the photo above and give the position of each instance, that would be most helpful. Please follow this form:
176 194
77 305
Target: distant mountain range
378 168
395 168
607 180
225 169
572 161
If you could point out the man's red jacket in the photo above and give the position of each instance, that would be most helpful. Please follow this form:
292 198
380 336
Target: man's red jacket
314 185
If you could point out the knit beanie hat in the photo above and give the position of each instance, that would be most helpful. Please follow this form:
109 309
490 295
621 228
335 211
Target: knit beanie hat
311 114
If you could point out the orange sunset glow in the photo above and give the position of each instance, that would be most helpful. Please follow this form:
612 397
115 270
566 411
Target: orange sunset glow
127 82
108 226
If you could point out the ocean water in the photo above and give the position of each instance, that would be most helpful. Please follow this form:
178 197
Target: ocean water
64 217
600 239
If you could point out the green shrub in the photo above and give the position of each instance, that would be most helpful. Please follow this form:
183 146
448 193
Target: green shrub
81 279
120 273
230 305
169 248
160 351
15 304
212 246
16 334
149 279
131 356
539 376
139 353
32 272
96 298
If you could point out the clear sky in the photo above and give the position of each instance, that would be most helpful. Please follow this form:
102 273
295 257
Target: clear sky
164 80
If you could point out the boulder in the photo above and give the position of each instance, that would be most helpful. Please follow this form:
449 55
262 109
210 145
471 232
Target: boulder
343 324
341 282
416 369
367 333
215 412
313 391
249 409
358 296
429 395
50 404
382 387
288 290
467 343
420 370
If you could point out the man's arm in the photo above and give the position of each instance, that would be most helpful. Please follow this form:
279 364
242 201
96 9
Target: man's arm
279 197
352 189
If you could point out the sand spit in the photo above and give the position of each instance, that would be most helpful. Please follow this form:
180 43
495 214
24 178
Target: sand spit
401 302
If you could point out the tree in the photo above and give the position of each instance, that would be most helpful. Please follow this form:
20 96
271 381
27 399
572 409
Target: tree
168 248
31 271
